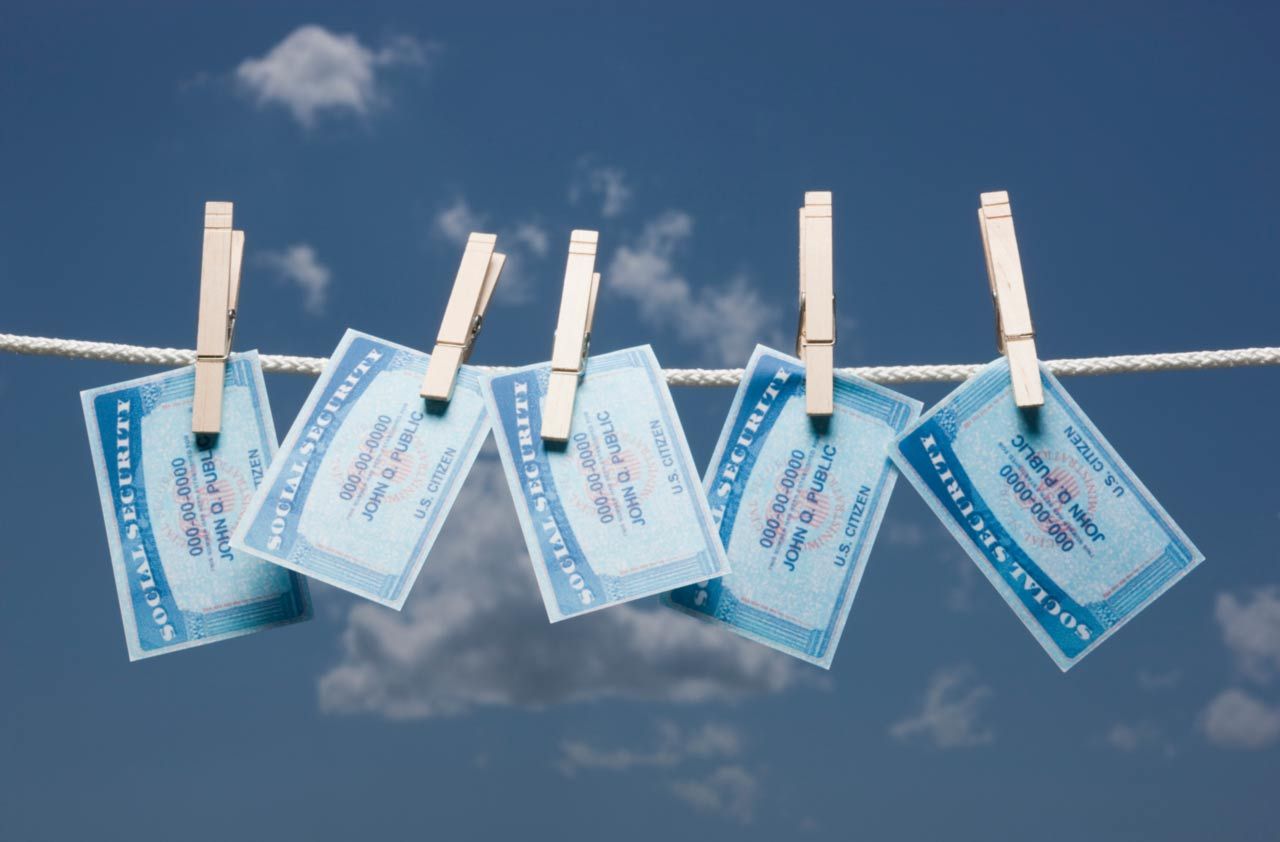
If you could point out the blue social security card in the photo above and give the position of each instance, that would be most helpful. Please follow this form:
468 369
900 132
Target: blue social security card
1051 515
798 501
613 514
170 499
367 475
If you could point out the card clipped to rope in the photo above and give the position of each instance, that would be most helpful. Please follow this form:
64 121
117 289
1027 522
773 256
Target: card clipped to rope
170 498
171 494
603 481
1053 517
370 469
798 494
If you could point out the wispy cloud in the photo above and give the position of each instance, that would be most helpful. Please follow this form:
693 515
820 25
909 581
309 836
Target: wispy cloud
1250 626
457 221
726 319
963 592
928 540
1238 719
671 746
1153 680
730 791
899 533
457 647
1130 737
608 184
534 237
1251 630
299 266
950 713
722 786
524 243
314 70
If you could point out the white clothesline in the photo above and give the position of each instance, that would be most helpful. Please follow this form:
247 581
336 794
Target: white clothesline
1178 361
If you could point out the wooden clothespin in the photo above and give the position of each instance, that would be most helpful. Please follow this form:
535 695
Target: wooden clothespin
816 335
573 335
1016 336
477 276
219 292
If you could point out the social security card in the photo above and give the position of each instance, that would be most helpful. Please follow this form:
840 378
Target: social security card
798 502
170 499
367 475
1056 520
614 514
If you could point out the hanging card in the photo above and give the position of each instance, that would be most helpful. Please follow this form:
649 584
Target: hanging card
1050 514
798 501
368 473
614 513
170 499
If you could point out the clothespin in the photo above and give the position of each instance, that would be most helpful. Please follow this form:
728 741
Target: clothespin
573 335
816 335
219 292
1016 337
477 276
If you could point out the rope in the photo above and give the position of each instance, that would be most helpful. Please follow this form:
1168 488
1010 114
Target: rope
84 350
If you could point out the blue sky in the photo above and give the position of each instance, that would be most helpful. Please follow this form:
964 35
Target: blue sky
360 145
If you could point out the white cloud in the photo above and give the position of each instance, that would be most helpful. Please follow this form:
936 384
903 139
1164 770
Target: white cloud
1152 681
299 265
534 236
575 755
726 319
950 712
523 244
926 539
1130 737
961 596
314 70
670 747
458 221
726 788
474 634
1236 719
1251 630
1124 737
899 533
607 183
730 791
